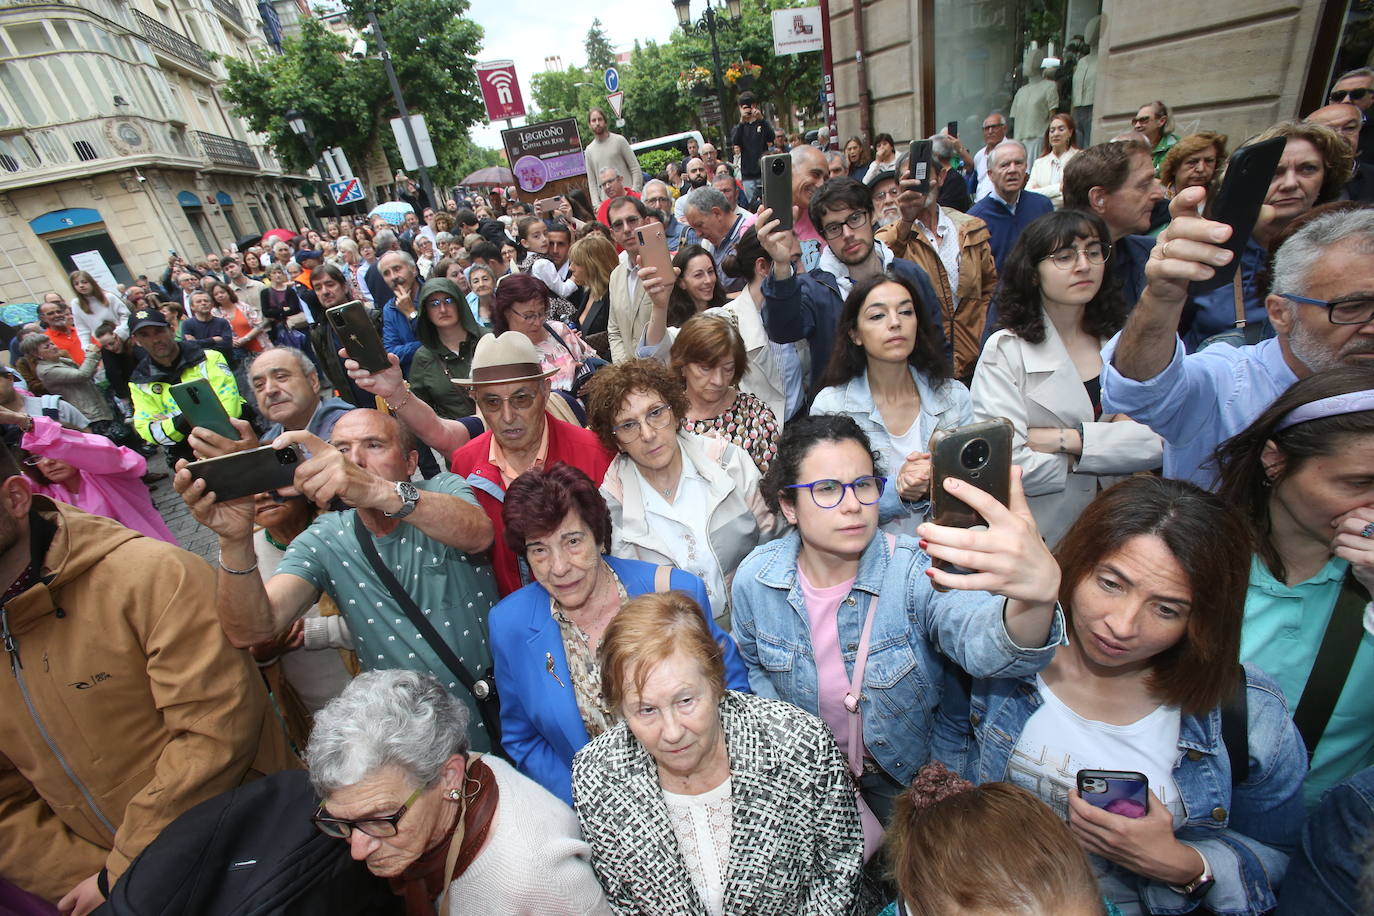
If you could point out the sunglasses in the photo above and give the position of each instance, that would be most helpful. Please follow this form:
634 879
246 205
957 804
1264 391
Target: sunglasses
1355 95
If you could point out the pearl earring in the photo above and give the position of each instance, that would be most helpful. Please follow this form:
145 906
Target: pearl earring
453 795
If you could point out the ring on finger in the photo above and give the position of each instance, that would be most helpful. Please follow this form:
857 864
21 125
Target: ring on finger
1367 531
1164 251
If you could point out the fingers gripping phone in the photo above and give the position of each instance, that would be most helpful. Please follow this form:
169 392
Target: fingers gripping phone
979 455
1123 792
240 474
360 338
653 250
1243 189
919 164
197 402
777 187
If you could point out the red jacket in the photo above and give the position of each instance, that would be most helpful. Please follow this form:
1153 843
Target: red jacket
573 444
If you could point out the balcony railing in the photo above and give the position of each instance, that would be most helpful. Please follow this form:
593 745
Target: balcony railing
226 150
170 42
229 10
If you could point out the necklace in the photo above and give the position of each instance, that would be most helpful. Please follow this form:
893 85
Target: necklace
273 541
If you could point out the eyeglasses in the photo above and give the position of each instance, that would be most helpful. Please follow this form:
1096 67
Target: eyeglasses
888 193
1349 310
441 300
1355 95
830 493
1067 258
628 222
492 403
531 316
853 221
380 827
33 460
611 182
993 126
658 418
1138 119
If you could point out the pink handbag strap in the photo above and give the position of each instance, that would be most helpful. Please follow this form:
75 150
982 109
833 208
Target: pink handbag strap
856 683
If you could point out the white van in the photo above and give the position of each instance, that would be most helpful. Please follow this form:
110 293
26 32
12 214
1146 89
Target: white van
671 141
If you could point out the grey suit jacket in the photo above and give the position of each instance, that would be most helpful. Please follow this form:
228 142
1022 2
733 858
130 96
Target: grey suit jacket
796 845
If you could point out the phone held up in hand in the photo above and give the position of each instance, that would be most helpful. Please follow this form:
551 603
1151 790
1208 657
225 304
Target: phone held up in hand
360 338
919 164
653 250
197 401
979 455
1237 203
777 187
254 471
1123 792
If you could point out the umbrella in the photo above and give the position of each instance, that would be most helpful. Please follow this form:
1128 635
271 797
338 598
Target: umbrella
16 314
271 235
491 177
248 241
394 211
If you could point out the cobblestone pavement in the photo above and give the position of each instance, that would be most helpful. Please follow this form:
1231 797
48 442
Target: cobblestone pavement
189 533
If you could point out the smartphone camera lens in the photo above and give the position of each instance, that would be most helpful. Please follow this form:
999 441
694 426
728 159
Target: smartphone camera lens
1094 785
287 456
778 167
975 455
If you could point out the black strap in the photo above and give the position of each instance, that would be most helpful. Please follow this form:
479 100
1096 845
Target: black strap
483 691
563 343
1235 730
1342 639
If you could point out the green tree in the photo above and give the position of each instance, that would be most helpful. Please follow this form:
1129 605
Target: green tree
566 94
600 54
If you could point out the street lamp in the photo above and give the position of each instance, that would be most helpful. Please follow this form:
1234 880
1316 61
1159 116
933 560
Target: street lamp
296 121
711 22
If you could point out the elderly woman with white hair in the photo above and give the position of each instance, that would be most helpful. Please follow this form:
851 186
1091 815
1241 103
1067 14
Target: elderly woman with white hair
454 832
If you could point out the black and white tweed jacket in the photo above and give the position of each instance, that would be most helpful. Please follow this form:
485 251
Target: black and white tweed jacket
796 847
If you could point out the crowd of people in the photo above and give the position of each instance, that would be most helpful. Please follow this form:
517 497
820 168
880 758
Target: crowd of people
619 590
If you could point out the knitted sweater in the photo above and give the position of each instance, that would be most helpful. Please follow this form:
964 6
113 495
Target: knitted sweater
611 152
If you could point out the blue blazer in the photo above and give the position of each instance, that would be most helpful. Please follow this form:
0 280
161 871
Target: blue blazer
541 727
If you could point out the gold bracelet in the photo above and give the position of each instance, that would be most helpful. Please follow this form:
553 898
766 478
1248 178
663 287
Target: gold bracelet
397 408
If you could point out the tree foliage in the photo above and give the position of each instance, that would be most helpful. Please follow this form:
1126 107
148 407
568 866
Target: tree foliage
600 54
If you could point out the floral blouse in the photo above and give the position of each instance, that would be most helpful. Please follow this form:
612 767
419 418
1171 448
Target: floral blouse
563 349
583 667
749 423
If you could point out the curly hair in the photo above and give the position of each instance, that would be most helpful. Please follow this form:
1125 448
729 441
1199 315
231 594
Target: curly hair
798 438
538 500
1337 159
1191 145
848 360
1018 294
609 387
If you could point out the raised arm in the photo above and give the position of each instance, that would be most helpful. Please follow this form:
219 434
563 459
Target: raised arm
390 385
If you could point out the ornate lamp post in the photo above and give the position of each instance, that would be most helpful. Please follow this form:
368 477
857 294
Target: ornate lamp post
724 15
296 120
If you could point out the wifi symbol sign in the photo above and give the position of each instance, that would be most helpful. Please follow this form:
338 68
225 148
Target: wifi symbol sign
500 90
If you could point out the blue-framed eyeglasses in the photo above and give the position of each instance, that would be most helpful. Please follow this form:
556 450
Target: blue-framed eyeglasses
830 493
1346 310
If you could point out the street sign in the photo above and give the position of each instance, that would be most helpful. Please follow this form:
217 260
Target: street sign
797 30
345 192
500 90
617 101
417 123
612 79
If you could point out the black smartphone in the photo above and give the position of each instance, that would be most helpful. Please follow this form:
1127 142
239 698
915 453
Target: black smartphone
918 161
777 187
360 338
952 128
247 473
1244 186
1123 792
196 400
978 454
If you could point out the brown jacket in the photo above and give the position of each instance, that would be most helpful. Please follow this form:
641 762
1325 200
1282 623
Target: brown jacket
964 313
147 709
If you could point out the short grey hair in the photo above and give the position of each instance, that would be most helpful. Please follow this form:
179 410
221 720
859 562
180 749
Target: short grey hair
992 156
943 148
654 181
383 241
404 719
343 244
612 170
802 153
834 155
704 198
398 253
306 364
443 238
1362 72
29 343
1296 258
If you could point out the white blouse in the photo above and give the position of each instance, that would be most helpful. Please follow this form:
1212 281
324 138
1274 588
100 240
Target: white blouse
1047 176
702 826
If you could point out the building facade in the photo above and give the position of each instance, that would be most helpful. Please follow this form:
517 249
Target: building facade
116 144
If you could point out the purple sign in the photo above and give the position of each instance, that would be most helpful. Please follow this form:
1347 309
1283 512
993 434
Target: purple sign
542 153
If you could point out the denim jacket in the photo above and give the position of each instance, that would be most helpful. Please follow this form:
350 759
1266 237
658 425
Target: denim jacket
917 633
1245 831
948 406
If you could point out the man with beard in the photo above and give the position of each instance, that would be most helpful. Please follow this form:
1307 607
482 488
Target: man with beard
1321 306
167 362
331 289
697 177
953 248
609 151
807 306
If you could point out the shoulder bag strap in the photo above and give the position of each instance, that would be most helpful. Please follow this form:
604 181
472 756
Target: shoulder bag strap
563 343
481 690
856 682
1342 639
1235 730
662 579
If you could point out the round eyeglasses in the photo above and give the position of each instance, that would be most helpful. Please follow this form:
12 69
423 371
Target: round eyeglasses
830 493
1067 258
658 418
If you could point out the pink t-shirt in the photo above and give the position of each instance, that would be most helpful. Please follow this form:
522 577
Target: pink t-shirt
832 678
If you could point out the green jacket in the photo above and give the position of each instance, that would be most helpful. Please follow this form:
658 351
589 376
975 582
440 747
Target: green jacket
156 416
435 366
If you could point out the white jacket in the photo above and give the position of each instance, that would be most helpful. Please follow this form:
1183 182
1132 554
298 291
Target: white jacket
1035 385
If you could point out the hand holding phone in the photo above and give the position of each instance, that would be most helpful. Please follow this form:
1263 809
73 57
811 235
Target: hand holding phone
1123 792
1237 203
360 338
200 405
653 251
240 474
777 187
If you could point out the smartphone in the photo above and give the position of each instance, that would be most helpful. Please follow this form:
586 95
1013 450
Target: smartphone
653 249
777 187
919 162
196 399
256 470
1123 792
952 128
978 454
1237 203
360 338
547 205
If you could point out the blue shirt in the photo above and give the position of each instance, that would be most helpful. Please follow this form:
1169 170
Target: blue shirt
1283 630
1006 224
399 334
1199 400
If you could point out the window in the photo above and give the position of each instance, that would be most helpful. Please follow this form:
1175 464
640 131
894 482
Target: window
8 162
84 151
65 36
30 38
58 101
21 92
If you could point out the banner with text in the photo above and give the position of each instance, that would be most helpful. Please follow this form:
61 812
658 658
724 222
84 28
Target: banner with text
543 153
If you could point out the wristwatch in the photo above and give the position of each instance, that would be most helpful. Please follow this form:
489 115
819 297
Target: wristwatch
409 497
1199 885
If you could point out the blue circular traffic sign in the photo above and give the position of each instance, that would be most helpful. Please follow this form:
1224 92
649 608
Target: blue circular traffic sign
612 79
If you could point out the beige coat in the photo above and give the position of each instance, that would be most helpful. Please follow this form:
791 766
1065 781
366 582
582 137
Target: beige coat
628 319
